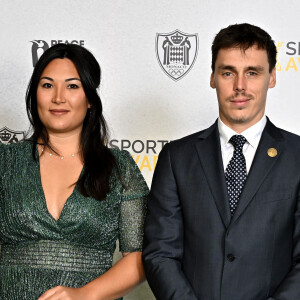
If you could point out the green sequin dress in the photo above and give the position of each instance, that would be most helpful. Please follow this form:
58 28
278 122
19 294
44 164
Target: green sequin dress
38 252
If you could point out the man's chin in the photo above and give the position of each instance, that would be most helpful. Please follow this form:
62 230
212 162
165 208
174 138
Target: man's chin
240 120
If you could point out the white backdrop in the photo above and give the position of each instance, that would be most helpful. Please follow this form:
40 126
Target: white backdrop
140 101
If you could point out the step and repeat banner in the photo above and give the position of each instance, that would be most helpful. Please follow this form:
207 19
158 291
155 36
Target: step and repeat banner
155 59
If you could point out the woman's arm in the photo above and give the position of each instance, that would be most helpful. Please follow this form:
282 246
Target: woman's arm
119 280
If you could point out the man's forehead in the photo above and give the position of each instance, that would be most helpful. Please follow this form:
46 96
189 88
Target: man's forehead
239 54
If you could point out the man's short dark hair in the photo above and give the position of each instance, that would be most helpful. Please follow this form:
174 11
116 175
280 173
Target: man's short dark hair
244 36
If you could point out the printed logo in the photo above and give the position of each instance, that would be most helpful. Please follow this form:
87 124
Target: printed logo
40 46
288 56
37 49
8 136
278 64
176 52
144 152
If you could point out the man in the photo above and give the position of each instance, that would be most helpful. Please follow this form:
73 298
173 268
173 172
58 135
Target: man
224 213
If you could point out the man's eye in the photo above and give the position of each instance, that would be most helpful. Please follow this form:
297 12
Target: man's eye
47 85
226 74
73 86
252 73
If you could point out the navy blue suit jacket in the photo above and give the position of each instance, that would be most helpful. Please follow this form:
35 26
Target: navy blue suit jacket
193 248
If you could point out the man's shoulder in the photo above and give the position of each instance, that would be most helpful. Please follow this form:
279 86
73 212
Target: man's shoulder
285 134
189 140
290 138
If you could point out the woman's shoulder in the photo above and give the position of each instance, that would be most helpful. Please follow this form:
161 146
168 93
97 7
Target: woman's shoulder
15 153
132 177
16 148
119 154
123 158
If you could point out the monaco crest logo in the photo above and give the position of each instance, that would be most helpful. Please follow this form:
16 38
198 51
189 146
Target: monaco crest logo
8 136
176 52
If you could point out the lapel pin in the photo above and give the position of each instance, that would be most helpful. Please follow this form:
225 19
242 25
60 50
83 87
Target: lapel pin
272 152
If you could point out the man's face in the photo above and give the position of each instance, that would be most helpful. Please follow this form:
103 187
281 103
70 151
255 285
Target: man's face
242 79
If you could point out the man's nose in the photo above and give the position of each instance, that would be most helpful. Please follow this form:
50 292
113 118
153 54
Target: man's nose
240 83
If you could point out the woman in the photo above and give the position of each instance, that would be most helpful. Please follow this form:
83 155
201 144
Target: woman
65 197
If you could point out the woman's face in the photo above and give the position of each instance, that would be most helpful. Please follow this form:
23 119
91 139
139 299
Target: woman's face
61 101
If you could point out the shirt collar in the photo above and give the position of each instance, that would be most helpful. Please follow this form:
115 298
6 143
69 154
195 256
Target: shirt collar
252 134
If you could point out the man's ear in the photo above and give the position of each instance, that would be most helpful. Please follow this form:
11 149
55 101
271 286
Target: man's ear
212 81
272 81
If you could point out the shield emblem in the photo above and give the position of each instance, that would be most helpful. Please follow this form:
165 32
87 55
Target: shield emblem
8 136
176 52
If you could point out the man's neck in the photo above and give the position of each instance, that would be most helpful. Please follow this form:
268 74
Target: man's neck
242 126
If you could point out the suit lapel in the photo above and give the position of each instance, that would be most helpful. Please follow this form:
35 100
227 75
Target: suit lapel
261 166
209 152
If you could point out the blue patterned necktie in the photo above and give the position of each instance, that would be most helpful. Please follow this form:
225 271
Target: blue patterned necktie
236 172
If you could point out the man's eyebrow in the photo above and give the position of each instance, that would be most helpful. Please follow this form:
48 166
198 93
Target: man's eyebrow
257 68
226 67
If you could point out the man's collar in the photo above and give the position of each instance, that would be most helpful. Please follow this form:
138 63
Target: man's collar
252 134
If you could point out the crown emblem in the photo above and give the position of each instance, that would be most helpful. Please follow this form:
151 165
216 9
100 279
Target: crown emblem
177 39
8 136
5 136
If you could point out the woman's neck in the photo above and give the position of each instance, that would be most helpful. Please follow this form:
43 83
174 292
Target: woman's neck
65 144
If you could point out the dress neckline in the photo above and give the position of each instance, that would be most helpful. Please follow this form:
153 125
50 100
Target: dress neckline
62 213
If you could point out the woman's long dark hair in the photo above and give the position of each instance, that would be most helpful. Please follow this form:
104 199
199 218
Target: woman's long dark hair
99 161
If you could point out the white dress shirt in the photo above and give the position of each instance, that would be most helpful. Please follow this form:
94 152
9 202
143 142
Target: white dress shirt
252 135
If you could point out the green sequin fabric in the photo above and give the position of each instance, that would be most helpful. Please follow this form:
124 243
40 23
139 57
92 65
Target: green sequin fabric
38 252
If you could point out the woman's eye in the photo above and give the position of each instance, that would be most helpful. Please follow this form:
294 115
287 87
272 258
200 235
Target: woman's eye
73 86
47 85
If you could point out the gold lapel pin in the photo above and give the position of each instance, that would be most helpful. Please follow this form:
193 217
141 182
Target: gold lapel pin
272 152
